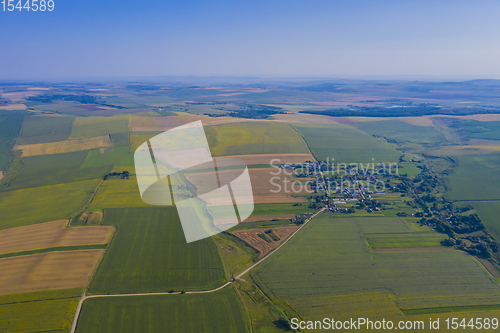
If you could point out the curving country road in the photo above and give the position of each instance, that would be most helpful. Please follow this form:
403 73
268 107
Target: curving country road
84 297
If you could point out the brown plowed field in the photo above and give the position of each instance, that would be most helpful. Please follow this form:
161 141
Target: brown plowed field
489 266
265 190
142 121
51 234
47 271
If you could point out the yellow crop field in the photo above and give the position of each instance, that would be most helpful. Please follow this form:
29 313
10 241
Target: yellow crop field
45 271
51 234
275 159
136 139
116 193
85 127
64 146
141 121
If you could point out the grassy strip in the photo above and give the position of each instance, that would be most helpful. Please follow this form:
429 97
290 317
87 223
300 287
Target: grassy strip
44 295
451 309
53 249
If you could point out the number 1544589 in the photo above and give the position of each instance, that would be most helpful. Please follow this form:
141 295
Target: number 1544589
27 5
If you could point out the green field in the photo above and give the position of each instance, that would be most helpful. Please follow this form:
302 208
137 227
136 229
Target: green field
46 311
405 242
402 132
149 253
118 193
41 129
480 129
120 139
254 138
410 169
54 169
488 213
9 130
474 178
216 312
44 204
100 157
329 264
346 144
88 127
10 126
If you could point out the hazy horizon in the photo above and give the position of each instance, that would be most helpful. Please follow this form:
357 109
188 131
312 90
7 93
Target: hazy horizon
320 38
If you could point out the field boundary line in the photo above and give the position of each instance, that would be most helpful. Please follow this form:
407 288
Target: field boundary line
84 296
80 302
238 277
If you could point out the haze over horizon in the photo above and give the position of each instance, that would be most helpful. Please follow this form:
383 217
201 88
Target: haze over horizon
280 38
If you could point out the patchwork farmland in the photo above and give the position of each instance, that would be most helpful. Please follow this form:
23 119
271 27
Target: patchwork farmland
331 264
80 250
170 264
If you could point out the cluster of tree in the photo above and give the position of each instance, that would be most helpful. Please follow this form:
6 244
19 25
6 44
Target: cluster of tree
367 203
264 237
416 111
121 175
83 99
271 234
483 246
298 220
214 115
141 87
254 113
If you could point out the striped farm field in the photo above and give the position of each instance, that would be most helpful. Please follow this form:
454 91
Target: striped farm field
345 144
329 261
51 234
118 193
87 127
44 204
138 138
47 271
254 138
217 312
67 146
273 159
149 253
143 121
48 311
61 168
44 316
42 129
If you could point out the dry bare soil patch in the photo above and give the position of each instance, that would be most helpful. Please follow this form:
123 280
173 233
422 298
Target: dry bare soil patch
267 189
91 218
252 238
46 271
64 146
51 234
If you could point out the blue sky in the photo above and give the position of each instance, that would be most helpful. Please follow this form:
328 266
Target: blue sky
88 38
